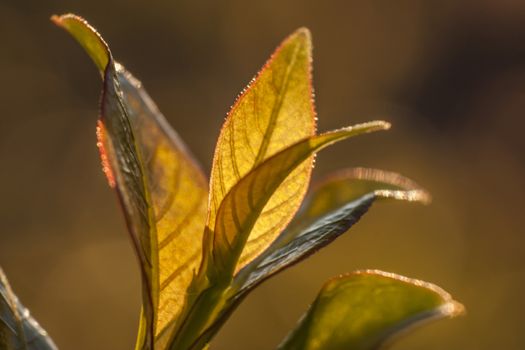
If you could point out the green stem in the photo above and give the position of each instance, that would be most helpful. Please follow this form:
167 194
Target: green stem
204 310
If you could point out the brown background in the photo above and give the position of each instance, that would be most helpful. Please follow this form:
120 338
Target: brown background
449 75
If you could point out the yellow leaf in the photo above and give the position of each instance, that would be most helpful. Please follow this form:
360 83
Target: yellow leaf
87 37
275 111
329 210
161 188
178 193
242 206
237 214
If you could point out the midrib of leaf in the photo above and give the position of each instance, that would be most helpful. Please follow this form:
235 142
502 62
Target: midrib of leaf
283 88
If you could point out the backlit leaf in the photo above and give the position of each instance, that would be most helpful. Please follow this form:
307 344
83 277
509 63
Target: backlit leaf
18 330
242 206
161 188
334 206
260 173
178 194
364 310
275 111
236 216
308 233
347 185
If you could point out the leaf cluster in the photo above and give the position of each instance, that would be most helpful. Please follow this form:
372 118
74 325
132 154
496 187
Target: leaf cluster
202 247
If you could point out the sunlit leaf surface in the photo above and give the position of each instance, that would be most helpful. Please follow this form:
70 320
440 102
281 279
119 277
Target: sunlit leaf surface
18 330
242 206
347 185
260 173
356 190
366 309
334 206
240 209
162 189
275 111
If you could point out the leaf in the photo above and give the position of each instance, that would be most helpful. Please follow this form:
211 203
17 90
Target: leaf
367 309
87 37
275 111
242 206
161 188
236 216
334 206
178 192
18 329
346 185
356 189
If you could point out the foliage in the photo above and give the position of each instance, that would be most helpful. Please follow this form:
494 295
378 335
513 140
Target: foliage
202 248
18 330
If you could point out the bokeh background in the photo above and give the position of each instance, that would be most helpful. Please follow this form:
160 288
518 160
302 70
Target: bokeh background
449 75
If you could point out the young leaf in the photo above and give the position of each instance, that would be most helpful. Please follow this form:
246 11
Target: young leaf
236 216
275 111
366 309
150 168
334 206
178 193
243 205
18 330
347 185
312 229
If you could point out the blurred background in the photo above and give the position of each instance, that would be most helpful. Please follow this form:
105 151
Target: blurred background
449 75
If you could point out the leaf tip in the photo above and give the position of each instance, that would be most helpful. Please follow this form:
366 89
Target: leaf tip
374 125
448 308
416 195
453 309
55 19
60 20
303 33
87 36
385 125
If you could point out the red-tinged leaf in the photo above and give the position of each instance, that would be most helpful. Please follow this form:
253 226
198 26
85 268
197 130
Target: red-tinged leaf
147 163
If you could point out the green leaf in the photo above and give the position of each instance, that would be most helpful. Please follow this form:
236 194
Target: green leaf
260 173
161 188
346 185
18 330
350 193
334 206
87 37
365 310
